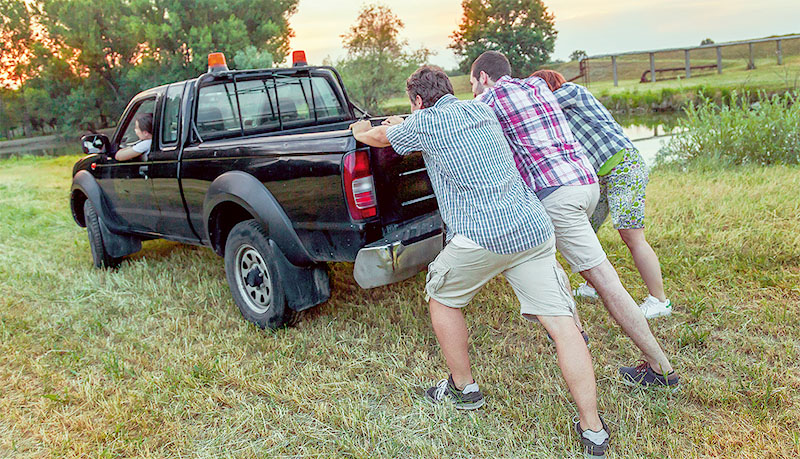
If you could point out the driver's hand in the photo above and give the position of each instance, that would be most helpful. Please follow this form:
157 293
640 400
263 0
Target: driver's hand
393 120
360 127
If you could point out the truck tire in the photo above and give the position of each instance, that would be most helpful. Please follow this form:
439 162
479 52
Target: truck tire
254 277
100 255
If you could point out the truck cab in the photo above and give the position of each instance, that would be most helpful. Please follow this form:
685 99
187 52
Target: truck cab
260 166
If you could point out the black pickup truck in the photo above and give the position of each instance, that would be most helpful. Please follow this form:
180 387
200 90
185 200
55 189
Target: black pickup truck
259 165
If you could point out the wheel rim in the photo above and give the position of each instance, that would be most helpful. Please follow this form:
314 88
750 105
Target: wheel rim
253 279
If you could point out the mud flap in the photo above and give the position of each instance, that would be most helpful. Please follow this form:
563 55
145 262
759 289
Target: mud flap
118 245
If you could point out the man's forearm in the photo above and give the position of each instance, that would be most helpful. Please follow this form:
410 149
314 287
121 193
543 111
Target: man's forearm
126 154
375 137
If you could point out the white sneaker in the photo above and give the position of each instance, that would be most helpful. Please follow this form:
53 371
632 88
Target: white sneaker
653 308
585 291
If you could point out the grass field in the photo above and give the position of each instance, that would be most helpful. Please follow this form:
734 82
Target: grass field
154 360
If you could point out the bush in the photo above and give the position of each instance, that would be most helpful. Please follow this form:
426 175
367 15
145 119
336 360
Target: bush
764 132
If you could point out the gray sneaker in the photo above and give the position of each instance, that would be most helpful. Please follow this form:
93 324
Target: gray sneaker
595 444
644 375
470 398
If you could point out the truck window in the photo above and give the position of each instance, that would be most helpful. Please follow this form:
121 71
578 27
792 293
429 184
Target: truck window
300 96
217 111
129 136
267 104
171 116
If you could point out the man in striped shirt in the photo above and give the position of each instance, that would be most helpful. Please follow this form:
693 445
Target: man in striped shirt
495 225
555 166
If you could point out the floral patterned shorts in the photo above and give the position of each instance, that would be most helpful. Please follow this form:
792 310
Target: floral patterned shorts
622 193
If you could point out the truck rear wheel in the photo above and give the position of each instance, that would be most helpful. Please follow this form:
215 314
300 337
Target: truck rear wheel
255 278
100 255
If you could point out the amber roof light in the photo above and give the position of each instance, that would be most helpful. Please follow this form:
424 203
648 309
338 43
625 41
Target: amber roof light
216 62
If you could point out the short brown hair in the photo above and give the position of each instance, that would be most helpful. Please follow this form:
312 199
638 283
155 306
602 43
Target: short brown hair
430 83
493 64
553 79
145 121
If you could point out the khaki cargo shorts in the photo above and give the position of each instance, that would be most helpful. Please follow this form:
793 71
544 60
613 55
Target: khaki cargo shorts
569 208
458 273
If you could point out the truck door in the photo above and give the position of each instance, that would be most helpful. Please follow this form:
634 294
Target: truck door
164 167
126 184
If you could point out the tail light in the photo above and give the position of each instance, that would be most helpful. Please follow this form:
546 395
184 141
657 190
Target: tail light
359 186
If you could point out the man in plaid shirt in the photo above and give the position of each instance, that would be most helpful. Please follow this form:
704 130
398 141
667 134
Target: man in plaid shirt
495 225
554 165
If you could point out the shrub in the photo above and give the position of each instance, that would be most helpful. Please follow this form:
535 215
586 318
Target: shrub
764 132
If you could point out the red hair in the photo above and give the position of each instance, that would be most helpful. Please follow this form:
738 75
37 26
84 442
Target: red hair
553 79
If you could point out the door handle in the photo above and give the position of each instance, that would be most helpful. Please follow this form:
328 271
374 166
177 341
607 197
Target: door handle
143 172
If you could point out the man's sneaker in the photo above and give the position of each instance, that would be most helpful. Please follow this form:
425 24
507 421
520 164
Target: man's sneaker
652 307
586 291
595 444
470 398
644 375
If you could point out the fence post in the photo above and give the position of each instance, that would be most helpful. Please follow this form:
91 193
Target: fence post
780 53
653 67
614 67
752 63
719 60
688 63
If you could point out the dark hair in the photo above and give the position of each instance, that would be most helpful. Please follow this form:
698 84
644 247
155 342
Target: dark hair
493 64
145 121
553 79
430 83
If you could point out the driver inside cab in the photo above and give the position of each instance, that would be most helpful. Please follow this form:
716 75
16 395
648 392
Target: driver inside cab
143 126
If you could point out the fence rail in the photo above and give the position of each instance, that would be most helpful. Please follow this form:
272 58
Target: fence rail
686 50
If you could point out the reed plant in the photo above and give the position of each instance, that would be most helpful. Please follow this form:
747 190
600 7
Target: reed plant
762 130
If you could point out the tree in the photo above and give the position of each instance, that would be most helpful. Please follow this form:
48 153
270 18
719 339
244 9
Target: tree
523 30
377 61
707 41
578 55
252 58
91 56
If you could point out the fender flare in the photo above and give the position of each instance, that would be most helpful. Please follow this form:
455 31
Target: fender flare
85 182
249 193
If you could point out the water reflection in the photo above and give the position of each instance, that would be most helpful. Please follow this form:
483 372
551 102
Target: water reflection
649 133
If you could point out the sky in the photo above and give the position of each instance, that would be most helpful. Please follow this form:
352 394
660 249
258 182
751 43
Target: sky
596 26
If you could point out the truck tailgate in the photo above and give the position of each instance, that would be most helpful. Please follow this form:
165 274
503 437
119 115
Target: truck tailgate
402 186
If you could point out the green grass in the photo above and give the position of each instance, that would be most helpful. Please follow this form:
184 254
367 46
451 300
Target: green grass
154 360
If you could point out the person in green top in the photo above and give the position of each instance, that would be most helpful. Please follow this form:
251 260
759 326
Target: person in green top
623 178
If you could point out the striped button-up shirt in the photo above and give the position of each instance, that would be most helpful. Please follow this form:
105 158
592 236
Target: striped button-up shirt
592 124
471 167
545 152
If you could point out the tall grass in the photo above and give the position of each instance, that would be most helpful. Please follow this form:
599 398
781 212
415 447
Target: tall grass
764 132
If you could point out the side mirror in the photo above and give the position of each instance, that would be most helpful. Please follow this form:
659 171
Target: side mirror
95 143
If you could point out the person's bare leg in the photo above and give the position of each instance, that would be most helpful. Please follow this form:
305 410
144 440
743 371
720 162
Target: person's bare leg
576 366
624 310
646 261
451 332
575 314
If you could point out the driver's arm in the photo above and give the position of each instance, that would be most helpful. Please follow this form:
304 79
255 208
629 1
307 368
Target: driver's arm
126 154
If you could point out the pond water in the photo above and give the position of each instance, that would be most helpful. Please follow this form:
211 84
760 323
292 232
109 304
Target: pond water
649 133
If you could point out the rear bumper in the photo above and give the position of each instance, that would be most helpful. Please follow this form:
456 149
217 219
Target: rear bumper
404 252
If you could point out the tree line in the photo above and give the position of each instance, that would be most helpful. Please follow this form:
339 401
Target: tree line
75 64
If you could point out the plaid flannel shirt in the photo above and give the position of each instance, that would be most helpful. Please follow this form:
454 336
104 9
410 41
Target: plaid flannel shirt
545 152
480 194
592 124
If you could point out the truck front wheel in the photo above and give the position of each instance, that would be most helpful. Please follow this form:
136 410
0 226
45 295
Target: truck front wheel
100 255
255 278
